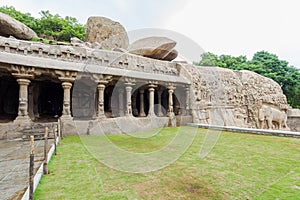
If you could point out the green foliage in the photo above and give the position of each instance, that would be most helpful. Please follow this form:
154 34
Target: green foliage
49 26
25 18
264 63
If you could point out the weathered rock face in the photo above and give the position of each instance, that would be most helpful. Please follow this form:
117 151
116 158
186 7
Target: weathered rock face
109 34
11 27
160 48
294 119
237 98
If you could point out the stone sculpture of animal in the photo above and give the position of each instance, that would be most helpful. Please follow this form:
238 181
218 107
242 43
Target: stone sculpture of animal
272 115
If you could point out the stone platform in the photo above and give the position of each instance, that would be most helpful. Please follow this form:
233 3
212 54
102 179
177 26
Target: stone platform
14 166
248 130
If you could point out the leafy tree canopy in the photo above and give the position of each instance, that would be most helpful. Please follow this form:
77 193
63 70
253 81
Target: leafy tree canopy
264 63
48 25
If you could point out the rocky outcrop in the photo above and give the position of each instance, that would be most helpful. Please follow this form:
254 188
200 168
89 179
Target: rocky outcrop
236 98
160 48
11 27
109 34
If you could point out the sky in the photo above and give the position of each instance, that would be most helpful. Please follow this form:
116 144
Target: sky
233 27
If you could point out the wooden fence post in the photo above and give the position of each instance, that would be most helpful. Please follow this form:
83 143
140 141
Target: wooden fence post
59 129
45 170
31 168
54 132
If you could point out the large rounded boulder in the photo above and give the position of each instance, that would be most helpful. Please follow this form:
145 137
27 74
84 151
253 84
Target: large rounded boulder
109 34
161 48
11 27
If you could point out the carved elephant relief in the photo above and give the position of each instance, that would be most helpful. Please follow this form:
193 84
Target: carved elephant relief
275 119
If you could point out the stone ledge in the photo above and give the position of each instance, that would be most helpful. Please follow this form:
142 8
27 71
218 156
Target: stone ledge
248 130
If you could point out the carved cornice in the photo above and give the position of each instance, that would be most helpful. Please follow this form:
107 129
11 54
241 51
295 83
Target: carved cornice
88 55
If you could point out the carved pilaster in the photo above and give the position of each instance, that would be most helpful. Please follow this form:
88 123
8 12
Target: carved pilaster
142 108
151 100
135 111
129 82
121 102
171 89
187 102
128 99
100 108
159 111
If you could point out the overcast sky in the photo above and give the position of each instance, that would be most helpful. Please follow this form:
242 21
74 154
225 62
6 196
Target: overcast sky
235 27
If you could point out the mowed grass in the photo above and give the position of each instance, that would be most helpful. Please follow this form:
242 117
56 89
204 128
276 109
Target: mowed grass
239 166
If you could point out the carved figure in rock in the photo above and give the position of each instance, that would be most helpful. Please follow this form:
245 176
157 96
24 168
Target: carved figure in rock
272 115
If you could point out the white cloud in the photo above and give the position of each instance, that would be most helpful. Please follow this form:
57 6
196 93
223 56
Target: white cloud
240 27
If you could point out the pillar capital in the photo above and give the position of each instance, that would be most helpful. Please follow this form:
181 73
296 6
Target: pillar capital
101 86
66 85
66 76
141 91
171 87
22 72
151 89
102 78
22 81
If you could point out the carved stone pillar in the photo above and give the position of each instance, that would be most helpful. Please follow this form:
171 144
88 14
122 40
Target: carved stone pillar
187 100
23 76
100 107
151 112
102 81
159 111
135 111
67 78
142 108
170 107
66 114
121 102
23 99
128 99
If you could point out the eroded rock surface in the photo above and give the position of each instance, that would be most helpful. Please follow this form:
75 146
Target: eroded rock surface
108 33
236 98
160 48
11 27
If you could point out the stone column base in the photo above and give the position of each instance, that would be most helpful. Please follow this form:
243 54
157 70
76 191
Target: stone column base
22 120
66 117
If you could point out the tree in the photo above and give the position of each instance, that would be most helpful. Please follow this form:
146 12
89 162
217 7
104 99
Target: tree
25 18
59 28
49 25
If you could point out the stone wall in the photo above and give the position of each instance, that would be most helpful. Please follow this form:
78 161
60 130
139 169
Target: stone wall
294 119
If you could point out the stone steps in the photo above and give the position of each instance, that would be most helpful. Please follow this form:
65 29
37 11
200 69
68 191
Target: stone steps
38 131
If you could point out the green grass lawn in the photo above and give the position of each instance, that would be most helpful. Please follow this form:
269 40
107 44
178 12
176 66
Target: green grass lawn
240 166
